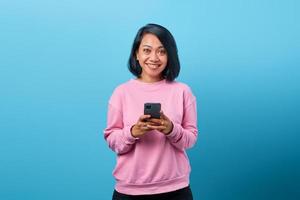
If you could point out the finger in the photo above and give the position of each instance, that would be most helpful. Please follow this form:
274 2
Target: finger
153 123
163 116
142 124
145 128
156 127
144 117
156 121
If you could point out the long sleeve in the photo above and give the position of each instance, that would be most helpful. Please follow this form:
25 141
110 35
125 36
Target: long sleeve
184 136
118 137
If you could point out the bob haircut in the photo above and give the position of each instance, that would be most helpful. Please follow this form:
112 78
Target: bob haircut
173 66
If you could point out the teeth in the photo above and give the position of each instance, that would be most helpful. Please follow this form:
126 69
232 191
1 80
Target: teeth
153 66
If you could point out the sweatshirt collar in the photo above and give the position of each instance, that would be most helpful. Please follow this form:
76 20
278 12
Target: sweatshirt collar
148 86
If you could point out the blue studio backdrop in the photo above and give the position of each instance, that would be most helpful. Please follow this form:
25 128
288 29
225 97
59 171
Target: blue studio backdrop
61 60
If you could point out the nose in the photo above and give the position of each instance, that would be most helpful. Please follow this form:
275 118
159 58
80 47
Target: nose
154 57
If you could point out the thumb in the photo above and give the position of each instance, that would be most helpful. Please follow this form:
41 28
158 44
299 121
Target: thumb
163 116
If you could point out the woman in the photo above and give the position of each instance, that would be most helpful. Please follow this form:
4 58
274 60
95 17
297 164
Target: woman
151 158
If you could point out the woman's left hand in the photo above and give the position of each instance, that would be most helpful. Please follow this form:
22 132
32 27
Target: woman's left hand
164 124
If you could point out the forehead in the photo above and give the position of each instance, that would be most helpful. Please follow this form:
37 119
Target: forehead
151 40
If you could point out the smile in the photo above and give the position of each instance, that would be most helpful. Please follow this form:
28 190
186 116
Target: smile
153 66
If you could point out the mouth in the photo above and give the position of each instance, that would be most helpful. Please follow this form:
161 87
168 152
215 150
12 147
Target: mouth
153 66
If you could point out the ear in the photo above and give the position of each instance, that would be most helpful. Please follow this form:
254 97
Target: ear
137 55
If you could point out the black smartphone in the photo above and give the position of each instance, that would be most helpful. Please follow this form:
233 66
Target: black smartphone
152 109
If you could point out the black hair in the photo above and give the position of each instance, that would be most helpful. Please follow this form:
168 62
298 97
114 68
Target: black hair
173 66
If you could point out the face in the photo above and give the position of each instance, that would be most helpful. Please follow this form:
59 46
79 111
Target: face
152 57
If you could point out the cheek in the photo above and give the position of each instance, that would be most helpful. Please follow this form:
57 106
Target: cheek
165 60
142 58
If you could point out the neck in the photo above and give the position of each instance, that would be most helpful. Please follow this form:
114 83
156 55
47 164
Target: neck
150 79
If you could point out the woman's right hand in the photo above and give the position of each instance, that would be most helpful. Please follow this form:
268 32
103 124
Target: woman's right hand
141 127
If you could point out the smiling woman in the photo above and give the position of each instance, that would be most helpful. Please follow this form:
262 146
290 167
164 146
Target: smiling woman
151 151
152 57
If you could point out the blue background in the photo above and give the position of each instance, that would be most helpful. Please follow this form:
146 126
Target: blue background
60 61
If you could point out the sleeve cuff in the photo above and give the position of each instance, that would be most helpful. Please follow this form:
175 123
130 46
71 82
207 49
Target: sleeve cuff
174 133
129 139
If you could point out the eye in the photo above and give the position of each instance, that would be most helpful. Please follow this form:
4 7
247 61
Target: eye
162 52
146 51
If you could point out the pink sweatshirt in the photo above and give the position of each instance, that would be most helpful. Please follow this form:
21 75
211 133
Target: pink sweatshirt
154 163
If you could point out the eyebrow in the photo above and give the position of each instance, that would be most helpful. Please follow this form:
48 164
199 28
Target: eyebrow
145 45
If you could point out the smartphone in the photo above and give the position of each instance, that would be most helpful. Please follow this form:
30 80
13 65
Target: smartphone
152 109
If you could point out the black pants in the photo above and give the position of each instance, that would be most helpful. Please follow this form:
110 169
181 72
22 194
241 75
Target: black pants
182 194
